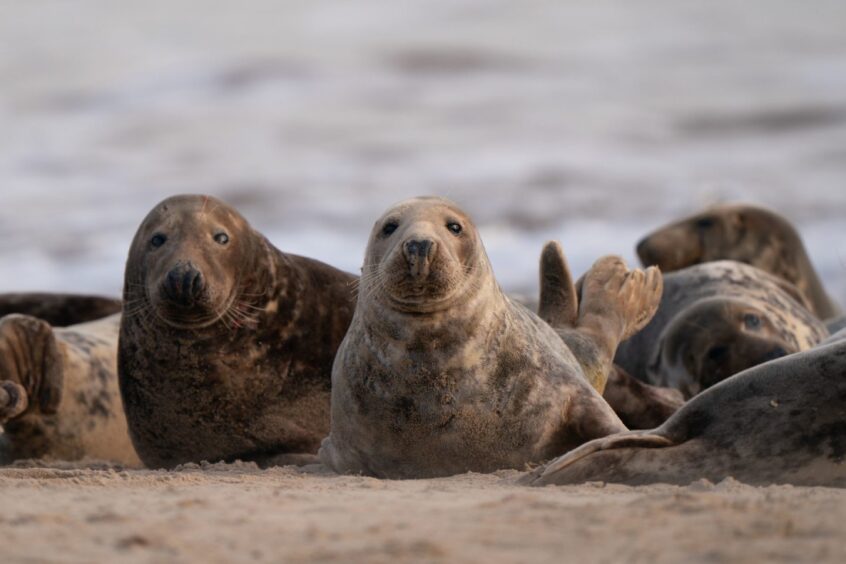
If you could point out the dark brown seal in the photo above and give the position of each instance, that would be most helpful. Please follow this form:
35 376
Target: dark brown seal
782 422
59 310
226 344
717 319
442 373
744 233
59 396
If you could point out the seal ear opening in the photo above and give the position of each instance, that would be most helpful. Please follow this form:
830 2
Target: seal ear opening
558 305
556 472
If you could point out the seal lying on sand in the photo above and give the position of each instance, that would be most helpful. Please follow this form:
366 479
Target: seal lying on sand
744 233
639 405
441 373
717 319
59 310
59 396
226 344
782 422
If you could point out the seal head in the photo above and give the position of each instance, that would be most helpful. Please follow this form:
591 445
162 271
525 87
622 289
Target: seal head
744 233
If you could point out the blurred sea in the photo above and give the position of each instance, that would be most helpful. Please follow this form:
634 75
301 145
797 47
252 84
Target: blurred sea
591 123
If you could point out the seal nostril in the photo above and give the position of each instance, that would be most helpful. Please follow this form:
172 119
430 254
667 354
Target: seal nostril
187 283
717 353
418 248
197 285
777 352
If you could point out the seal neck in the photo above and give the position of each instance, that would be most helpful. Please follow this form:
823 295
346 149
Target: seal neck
468 319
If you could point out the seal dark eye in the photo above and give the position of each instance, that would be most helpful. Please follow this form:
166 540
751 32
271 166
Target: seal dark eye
221 238
705 223
158 240
751 321
389 228
454 227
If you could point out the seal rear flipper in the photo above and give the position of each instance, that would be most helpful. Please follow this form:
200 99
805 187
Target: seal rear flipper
558 305
30 357
569 468
13 400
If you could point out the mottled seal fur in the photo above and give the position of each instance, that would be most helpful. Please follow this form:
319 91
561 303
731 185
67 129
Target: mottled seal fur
745 233
442 373
226 344
59 310
59 396
783 422
717 319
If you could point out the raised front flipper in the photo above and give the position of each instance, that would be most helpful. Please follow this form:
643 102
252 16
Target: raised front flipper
613 303
559 305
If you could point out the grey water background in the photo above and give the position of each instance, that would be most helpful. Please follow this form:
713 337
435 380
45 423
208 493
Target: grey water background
587 122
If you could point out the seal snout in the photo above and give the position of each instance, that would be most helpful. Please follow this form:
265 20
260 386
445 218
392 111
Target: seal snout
184 284
645 252
418 254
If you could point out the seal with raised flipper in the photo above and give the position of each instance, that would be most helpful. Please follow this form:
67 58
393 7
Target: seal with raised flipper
442 373
59 396
744 233
226 344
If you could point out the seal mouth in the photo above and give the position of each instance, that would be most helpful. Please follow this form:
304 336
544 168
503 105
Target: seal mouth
187 318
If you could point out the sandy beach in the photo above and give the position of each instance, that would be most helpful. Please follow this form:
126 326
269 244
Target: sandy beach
589 123
237 513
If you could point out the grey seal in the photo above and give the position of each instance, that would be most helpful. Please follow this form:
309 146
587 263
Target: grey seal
783 422
226 343
442 373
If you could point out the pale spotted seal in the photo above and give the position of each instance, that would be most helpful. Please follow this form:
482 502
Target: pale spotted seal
59 396
442 373
782 422
745 233
717 319
226 344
